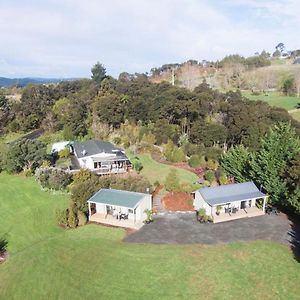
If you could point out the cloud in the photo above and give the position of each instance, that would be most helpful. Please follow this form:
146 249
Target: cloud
66 37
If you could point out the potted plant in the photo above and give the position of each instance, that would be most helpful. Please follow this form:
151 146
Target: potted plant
149 214
219 207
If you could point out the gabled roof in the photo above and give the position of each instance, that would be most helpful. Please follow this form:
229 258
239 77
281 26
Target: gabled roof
94 147
117 198
231 192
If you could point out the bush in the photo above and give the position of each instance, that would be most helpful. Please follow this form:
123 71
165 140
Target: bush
62 217
186 187
65 153
82 176
82 218
156 183
137 165
194 161
172 182
50 178
117 140
72 218
173 153
212 164
3 245
210 176
223 179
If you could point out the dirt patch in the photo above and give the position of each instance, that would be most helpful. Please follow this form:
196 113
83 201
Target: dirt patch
178 201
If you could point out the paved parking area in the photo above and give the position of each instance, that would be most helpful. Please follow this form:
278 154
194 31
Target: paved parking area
184 229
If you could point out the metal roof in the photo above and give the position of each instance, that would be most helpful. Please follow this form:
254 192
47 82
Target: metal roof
117 198
231 192
93 147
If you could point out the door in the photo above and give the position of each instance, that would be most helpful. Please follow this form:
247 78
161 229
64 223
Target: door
243 204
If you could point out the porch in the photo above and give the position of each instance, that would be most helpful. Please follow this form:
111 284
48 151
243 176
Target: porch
108 219
239 214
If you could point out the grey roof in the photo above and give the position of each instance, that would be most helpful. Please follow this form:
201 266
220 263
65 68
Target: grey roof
117 197
231 192
94 147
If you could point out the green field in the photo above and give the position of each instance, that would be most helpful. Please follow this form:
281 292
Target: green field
274 99
155 171
92 262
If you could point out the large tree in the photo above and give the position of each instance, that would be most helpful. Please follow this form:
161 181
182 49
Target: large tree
98 72
270 162
25 153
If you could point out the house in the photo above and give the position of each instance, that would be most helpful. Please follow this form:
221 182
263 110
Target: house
100 157
231 201
119 208
297 61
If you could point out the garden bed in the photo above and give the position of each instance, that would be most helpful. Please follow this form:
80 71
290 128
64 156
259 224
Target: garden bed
178 201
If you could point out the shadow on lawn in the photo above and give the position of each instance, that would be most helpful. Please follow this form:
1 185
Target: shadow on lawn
294 235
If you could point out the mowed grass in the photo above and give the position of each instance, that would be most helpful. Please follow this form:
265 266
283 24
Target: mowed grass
92 262
287 102
155 171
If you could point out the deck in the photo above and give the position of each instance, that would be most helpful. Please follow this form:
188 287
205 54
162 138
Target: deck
242 213
110 220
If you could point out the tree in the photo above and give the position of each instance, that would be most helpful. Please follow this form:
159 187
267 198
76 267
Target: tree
270 162
98 72
25 153
236 161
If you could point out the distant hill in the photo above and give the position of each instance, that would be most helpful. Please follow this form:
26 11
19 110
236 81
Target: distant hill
7 82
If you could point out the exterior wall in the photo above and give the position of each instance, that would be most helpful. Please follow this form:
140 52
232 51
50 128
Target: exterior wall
100 208
146 203
200 203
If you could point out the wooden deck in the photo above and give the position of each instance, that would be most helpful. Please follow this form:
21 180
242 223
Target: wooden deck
110 220
242 213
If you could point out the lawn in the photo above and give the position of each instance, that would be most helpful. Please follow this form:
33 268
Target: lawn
155 171
274 99
47 262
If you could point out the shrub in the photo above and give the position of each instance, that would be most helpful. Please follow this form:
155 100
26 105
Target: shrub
72 218
65 153
3 245
210 176
82 218
223 179
186 187
117 140
82 176
156 183
27 172
194 161
212 164
173 153
137 165
51 178
62 217
172 182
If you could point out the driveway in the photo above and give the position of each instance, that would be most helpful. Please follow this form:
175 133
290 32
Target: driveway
184 229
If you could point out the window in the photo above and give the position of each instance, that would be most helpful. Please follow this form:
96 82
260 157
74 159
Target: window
95 165
130 211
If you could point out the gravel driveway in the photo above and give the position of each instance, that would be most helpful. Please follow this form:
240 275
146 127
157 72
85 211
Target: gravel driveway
184 229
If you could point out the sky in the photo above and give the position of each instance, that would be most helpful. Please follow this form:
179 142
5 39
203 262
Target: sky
65 38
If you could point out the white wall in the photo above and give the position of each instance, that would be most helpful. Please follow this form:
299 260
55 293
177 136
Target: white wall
146 203
200 203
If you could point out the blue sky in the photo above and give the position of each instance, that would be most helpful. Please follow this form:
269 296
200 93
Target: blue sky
64 38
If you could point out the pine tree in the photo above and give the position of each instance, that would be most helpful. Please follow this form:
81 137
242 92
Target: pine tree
270 162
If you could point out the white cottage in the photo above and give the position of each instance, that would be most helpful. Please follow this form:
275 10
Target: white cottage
231 201
119 208
100 157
